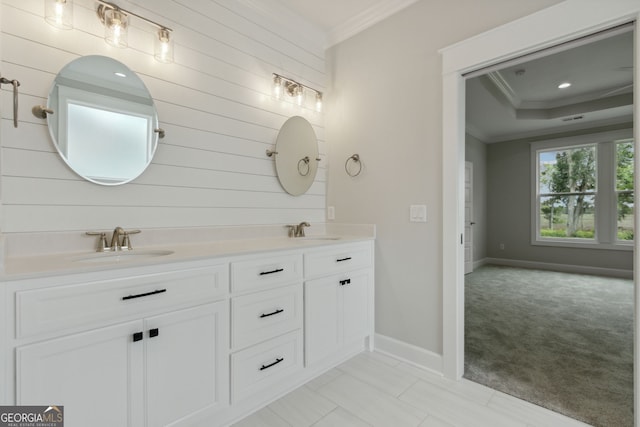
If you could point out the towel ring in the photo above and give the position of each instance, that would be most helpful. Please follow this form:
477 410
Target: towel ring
356 159
301 166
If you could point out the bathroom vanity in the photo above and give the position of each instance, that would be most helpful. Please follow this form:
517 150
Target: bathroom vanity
200 335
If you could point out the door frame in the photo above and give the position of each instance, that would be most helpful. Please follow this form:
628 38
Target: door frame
563 22
468 222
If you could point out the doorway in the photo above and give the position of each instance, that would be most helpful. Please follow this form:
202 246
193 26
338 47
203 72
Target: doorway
563 22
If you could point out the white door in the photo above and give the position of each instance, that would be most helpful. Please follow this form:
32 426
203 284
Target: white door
187 364
468 217
355 306
322 319
95 375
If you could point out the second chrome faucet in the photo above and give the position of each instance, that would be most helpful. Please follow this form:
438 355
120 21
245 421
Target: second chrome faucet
298 230
117 243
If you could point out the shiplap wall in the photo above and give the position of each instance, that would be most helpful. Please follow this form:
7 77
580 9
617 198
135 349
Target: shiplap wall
214 103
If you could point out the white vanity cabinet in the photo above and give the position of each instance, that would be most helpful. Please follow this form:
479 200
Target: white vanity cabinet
192 343
266 323
339 303
148 350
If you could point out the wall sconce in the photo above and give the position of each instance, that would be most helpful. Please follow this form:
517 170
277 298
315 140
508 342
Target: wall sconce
59 13
286 86
116 22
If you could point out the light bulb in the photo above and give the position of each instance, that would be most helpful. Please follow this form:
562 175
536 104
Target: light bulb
59 13
115 28
299 95
319 102
164 46
277 86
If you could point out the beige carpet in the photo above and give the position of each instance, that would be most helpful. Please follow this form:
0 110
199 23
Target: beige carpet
562 341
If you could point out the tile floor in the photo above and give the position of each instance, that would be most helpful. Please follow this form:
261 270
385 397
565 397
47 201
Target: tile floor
373 389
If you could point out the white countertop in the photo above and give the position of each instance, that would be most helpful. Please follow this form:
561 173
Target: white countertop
24 267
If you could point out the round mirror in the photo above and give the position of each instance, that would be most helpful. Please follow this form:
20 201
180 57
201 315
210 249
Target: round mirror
297 155
104 122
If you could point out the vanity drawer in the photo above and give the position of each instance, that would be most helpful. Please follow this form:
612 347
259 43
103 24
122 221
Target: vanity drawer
265 272
338 259
263 366
262 315
95 303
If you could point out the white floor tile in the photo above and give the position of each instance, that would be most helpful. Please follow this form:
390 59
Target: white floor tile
337 398
302 407
435 422
534 415
341 418
463 388
451 408
378 374
372 405
323 379
263 418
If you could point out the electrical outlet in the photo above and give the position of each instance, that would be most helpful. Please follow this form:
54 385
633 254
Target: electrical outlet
502 246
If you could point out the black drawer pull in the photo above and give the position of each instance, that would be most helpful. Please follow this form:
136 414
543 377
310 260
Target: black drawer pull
278 311
154 332
146 294
137 336
343 259
272 364
345 282
278 270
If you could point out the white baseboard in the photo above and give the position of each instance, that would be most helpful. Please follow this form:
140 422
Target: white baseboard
566 268
479 263
409 353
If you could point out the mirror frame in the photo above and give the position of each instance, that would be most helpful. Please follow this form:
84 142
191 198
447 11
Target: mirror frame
102 92
297 155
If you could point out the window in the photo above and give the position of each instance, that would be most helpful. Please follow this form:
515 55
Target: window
584 191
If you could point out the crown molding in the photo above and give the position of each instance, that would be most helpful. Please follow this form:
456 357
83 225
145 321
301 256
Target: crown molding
376 13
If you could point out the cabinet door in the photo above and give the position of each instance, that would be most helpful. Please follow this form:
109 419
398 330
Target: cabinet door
187 364
322 335
96 375
355 306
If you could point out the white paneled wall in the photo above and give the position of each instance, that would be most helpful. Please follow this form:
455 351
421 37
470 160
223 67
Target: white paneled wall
214 103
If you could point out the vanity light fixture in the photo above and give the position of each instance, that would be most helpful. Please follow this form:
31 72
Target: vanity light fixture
59 13
286 86
116 22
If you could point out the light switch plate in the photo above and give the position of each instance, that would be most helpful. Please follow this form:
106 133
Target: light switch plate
418 213
331 213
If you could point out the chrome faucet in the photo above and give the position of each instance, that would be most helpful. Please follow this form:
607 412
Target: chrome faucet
298 230
115 239
116 243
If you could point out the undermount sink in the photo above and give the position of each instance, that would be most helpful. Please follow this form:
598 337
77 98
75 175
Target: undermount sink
120 256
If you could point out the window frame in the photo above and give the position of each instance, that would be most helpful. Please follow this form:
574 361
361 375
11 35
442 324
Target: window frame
605 196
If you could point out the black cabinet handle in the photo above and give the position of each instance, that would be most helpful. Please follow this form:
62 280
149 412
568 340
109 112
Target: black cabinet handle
345 282
343 259
272 364
153 332
278 270
146 294
137 336
278 311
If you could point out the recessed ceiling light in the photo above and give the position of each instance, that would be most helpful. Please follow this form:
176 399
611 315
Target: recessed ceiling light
119 74
564 85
